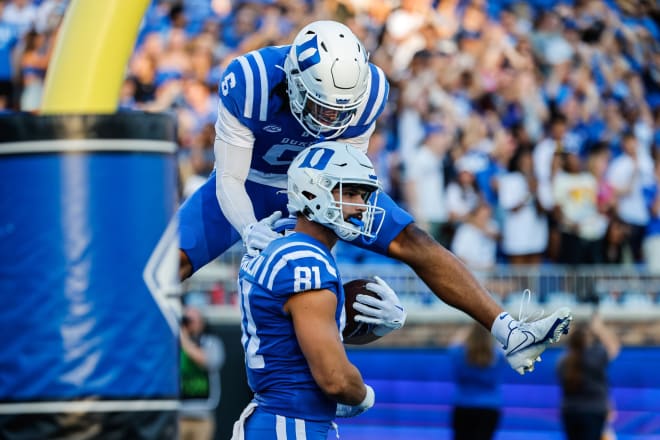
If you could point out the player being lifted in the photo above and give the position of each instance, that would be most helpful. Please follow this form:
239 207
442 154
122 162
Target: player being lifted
275 102
292 300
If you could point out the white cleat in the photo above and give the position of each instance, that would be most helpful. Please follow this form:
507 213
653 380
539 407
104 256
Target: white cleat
527 340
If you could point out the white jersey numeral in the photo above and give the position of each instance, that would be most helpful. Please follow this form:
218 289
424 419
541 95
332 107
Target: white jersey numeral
306 278
249 339
228 82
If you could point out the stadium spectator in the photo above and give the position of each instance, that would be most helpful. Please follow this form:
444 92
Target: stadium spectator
475 240
425 182
462 193
33 64
142 72
651 243
21 14
582 372
9 38
628 174
202 357
582 226
524 222
477 368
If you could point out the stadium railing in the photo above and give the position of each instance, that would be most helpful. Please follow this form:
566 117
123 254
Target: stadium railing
622 292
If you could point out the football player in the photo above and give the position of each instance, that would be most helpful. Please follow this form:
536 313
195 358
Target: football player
276 101
292 301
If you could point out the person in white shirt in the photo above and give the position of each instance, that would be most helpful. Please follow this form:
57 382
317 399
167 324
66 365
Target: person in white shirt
425 182
628 174
475 241
524 222
463 194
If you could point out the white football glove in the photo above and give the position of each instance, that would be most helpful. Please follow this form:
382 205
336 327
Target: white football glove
386 314
355 410
257 236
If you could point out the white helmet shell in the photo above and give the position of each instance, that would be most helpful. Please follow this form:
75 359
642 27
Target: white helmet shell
328 77
319 169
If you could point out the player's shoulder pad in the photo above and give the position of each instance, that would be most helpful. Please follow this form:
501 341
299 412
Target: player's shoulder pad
247 82
296 266
374 105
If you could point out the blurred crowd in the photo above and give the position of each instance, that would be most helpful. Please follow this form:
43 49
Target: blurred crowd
516 131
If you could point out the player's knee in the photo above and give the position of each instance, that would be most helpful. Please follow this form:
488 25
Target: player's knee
185 266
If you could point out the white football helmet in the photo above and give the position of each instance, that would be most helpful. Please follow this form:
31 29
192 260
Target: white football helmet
316 171
328 76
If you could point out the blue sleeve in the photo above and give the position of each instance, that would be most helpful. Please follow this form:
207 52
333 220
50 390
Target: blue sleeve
232 89
396 219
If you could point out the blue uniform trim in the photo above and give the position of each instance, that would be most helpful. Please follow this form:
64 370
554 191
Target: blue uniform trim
263 425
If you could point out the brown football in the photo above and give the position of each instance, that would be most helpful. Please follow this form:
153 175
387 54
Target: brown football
357 333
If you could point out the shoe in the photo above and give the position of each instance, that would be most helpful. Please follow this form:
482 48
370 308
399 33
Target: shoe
527 340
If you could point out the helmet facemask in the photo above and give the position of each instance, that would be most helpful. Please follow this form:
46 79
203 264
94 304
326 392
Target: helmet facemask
352 227
310 192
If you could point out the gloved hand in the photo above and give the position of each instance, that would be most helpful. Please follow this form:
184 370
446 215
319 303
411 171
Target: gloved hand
257 236
355 410
386 314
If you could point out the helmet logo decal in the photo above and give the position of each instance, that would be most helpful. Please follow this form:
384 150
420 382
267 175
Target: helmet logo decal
308 54
317 158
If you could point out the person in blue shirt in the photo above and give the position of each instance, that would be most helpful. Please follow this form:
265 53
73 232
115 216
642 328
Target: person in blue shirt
292 301
8 41
275 102
477 366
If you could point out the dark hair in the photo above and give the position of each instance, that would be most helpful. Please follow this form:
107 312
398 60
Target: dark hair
628 134
514 162
573 373
479 346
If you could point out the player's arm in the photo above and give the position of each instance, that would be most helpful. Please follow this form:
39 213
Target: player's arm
444 273
313 315
233 147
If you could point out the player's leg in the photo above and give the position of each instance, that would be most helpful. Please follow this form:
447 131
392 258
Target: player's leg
205 233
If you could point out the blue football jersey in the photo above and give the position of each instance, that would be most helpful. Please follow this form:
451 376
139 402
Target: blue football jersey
253 89
277 370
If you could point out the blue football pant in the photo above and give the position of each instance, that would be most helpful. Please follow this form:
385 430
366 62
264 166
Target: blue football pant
262 425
